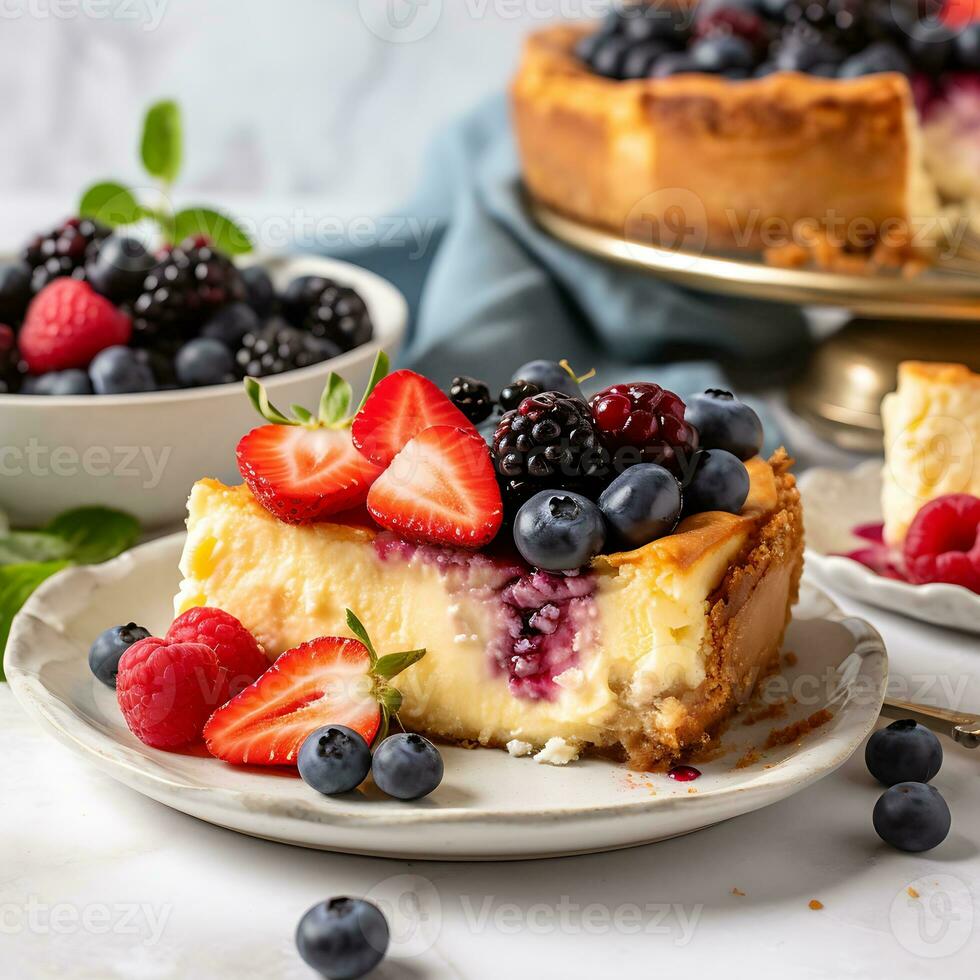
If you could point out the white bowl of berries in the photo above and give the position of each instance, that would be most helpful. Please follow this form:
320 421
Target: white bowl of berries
120 371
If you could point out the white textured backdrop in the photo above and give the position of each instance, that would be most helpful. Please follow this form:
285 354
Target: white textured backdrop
323 104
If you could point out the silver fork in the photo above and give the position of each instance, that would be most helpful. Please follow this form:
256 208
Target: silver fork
960 726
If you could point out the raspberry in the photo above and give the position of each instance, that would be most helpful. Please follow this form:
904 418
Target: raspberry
236 649
644 423
67 324
167 692
943 544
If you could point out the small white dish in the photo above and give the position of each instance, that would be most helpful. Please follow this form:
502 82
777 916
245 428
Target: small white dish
143 452
489 806
837 501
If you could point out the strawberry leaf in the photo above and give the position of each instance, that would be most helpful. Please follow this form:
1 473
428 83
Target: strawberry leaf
335 401
259 398
394 663
378 371
357 628
305 416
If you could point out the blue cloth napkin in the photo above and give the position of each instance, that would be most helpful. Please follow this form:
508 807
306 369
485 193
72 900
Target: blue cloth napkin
490 290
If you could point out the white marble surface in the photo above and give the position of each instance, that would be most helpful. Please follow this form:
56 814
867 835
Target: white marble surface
98 882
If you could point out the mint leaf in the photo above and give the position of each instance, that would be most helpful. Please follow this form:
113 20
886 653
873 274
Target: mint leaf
110 203
95 534
19 547
17 582
162 143
224 234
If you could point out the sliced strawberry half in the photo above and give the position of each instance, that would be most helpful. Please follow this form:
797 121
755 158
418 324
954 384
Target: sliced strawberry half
302 475
440 488
398 409
327 681
304 467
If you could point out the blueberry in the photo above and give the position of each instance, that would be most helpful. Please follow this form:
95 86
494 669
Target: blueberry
932 47
968 48
643 503
259 290
912 817
118 268
803 52
15 291
720 482
334 759
675 63
231 323
204 361
642 57
109 646
70 382
549 376
655 22
559 530
117 370
343 938
904 752
723 52
407 767
609 57
878 57
724 422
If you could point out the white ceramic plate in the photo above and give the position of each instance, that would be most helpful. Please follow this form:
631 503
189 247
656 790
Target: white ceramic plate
147 449
837 501
489 806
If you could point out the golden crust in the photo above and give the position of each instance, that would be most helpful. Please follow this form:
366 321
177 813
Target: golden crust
936 372
738 162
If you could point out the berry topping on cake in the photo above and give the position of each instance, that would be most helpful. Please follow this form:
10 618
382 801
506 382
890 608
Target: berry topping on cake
559 531
548 439
724 422
903 752
943 542
398 408
67 324
334 759
327 681
912 817
643 503
644 423
236 649
441 489
720 482
472 398
108 648
304 468
167 691
736 21
407 766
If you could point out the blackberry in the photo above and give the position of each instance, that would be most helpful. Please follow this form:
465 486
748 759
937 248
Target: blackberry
644 423
188 285
549 439
843 23
328 311
472 398
63 251
11 368
513 394
279 347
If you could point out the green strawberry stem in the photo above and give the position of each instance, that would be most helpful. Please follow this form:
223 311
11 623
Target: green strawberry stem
333 411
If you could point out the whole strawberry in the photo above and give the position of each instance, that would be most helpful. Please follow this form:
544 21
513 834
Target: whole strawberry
67 324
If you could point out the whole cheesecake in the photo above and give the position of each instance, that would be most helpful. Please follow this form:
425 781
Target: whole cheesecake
659 138
641 654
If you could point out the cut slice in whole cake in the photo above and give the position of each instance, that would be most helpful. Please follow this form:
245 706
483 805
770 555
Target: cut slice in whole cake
932 440
639 655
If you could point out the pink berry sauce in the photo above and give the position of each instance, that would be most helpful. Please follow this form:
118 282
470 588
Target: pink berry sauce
684 774
877 555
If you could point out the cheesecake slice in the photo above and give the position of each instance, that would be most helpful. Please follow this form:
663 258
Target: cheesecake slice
640 655
932 440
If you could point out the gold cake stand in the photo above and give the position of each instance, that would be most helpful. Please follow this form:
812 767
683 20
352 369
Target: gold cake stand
932 316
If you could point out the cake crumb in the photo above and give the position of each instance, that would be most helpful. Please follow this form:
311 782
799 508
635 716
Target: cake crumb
557 752
749 758
912 892
517 748
570 679
692 790
739 892
816 905
790 658
772 712
784 736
